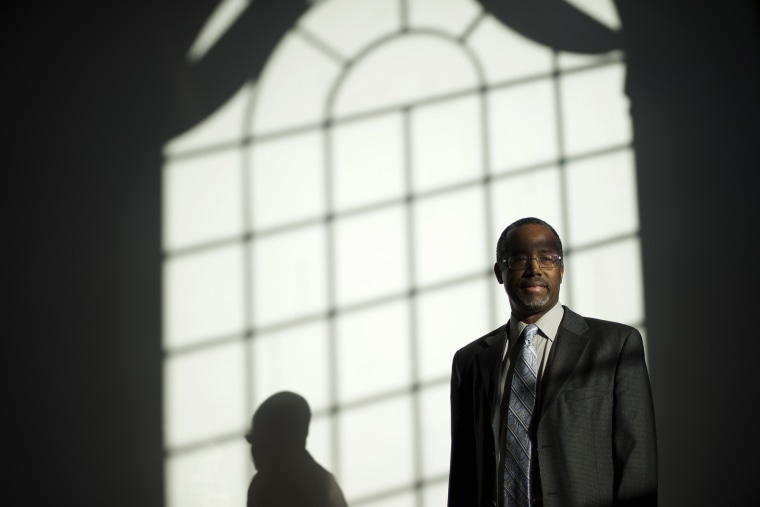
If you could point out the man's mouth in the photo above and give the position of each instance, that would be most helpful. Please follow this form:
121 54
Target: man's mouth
534 287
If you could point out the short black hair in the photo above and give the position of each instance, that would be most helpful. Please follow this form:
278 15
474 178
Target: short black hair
501 245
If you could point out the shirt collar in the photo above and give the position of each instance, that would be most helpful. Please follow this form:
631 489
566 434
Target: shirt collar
548 324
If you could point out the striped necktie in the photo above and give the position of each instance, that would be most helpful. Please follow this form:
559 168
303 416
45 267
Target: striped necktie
522 400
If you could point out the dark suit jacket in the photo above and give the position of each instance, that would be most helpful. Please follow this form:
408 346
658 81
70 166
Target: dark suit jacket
595 436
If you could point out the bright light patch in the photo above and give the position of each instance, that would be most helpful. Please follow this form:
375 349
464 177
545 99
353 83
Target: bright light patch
225 14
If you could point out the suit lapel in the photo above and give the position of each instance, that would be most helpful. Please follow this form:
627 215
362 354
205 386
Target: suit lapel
489 360
567 351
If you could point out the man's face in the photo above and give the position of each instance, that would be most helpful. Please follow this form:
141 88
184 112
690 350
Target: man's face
534 290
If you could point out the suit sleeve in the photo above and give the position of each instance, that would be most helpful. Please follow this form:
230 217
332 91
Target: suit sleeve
634 439
462 468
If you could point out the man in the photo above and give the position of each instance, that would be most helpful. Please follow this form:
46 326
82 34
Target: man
552 408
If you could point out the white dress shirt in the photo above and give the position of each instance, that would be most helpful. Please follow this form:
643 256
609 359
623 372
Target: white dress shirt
542 343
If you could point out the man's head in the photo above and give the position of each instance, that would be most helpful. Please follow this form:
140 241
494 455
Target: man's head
529 264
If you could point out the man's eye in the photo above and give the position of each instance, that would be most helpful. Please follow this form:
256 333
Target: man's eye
546 259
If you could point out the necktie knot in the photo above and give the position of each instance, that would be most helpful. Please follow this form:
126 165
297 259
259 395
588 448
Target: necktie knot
530 333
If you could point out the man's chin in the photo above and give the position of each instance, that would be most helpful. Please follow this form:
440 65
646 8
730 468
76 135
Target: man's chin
535 305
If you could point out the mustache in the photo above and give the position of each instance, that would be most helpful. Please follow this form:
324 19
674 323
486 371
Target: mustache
534 283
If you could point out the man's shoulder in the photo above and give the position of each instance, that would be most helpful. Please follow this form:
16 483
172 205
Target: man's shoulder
581 324
481 343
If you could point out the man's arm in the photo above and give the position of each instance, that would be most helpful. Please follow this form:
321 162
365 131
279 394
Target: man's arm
634 439
463 490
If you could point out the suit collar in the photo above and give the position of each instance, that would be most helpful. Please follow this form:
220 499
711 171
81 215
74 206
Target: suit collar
489 359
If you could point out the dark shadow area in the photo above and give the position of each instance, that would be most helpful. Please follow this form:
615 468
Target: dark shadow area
95 90
556 24
287 475
694 89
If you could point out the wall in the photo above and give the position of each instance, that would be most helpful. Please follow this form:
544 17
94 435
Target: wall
93 95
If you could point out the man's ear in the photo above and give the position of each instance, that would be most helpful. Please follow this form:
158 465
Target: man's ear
497 272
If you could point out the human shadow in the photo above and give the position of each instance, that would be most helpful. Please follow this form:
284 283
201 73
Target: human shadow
286 474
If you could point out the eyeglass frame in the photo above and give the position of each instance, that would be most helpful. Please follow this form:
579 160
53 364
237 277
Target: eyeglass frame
556 261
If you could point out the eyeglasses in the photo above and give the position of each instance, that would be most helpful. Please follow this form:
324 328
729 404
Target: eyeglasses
544 261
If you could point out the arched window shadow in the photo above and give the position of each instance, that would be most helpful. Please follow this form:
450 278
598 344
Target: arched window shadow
286 474
556 24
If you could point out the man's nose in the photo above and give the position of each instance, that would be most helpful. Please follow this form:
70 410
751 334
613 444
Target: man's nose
533 266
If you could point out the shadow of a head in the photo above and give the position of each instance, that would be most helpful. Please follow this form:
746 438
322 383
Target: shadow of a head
278 430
